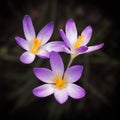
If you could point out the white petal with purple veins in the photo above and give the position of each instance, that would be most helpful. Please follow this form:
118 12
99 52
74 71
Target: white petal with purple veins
43 53
62 34
61 95
27 57
73 73
75 91
71 31
22 43
57 46
44 75
86 33
94 48
28 28
43 90
56 63
46 33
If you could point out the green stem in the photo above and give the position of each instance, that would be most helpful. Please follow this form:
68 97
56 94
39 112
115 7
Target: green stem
71 59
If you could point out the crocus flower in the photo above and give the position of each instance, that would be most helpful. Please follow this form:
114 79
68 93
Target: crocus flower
36 45
75 44
58 82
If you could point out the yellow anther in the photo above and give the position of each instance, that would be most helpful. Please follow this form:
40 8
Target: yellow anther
36 45
59 82
79 42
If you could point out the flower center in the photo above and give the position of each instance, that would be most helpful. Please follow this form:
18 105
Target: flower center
79 42
36 45
59 82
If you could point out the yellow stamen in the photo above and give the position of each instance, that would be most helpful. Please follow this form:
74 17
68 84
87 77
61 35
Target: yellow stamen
79 42
59 82
36 45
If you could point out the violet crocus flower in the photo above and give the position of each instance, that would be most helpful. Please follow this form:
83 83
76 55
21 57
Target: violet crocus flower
36 45
75 44
58 82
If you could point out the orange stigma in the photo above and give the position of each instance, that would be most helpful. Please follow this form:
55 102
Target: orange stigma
79 42
36 45
59 82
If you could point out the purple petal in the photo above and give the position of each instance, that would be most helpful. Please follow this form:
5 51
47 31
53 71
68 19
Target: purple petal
62 34
56 46
44 75
81 49
42 53
73 73
27 57
87 33
67 50
46 33
61 95
94 48
28 28
56 63
71 31
22 43
75 91
43 90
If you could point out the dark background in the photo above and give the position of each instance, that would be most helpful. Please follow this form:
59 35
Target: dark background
100 78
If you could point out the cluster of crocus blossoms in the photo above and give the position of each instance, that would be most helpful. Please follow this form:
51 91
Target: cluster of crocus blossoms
58 81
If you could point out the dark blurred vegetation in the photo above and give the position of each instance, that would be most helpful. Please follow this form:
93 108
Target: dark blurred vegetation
100 77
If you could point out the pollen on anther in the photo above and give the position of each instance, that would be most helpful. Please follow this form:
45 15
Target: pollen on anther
36 44
59 82
79 42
